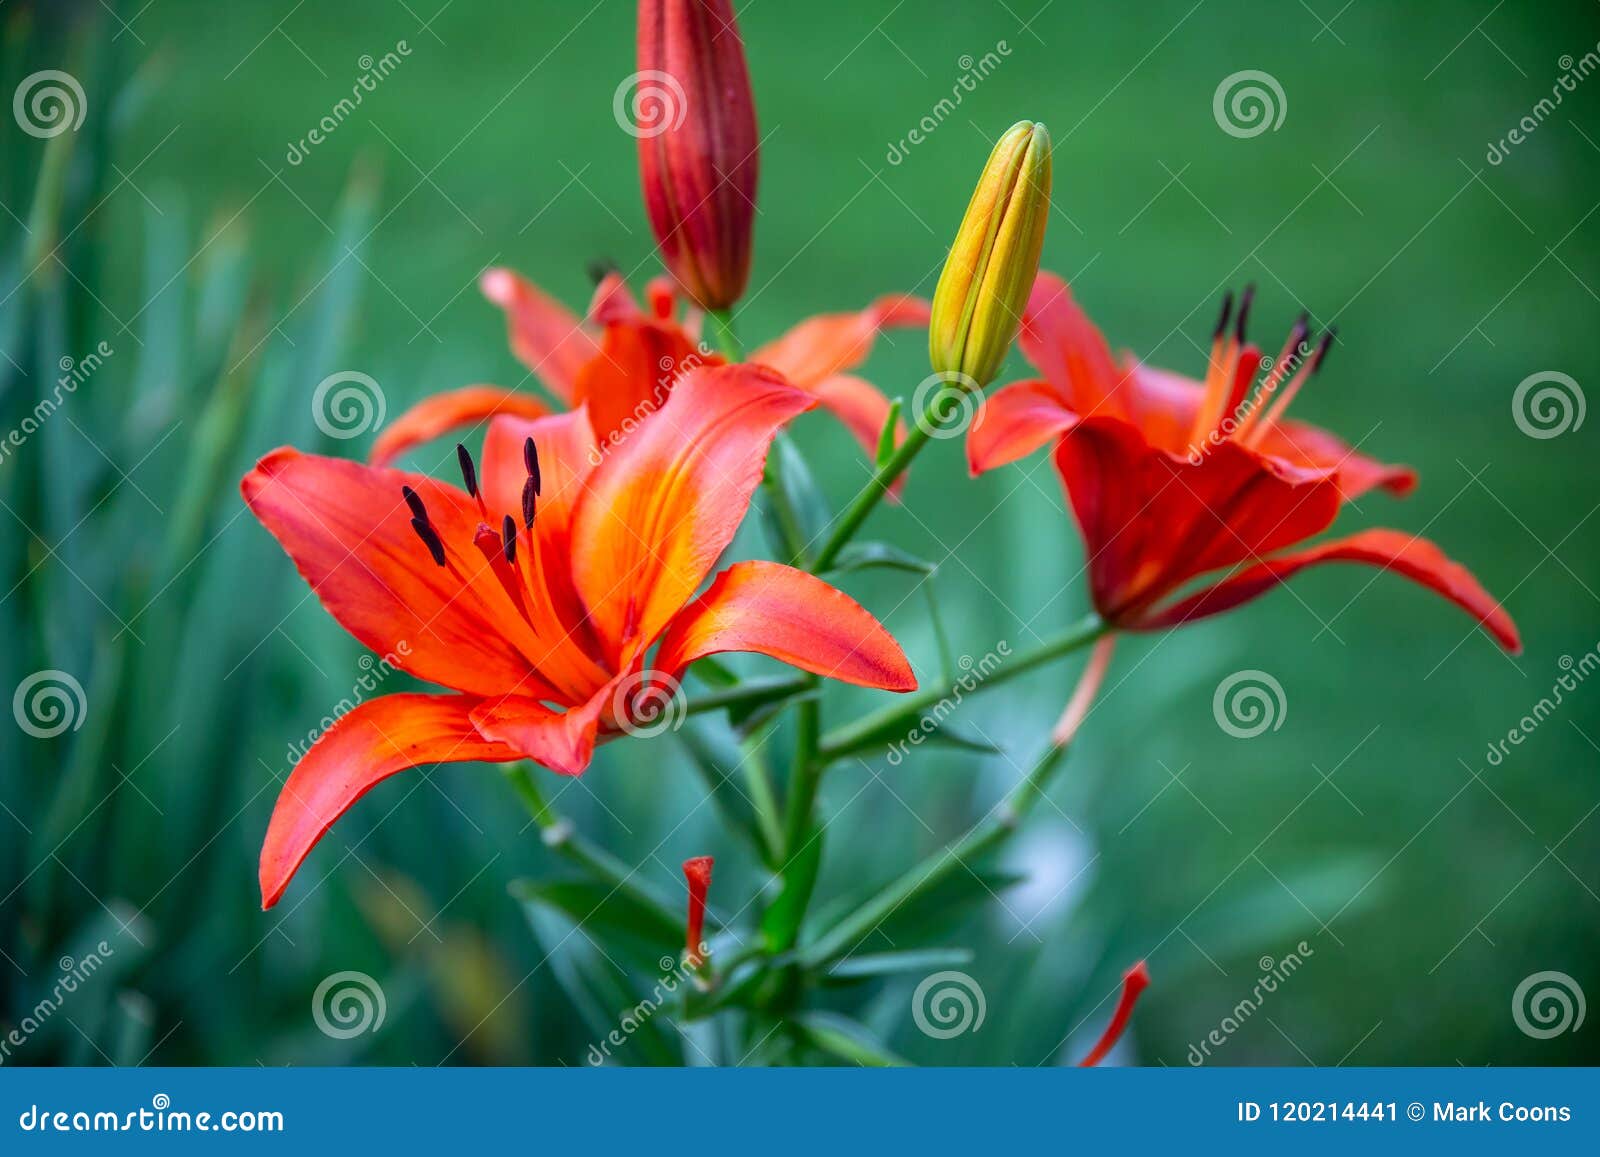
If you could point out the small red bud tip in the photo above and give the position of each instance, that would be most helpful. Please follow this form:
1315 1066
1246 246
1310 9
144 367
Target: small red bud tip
1134 982
698 873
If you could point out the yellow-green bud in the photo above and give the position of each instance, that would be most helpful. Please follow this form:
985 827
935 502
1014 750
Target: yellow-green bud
977 308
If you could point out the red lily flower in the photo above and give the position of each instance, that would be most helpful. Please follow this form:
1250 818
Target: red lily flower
624 360
1172 479
697 874
541 622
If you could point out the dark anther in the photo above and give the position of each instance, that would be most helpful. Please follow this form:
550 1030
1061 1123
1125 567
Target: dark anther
1322 350
469 473
1222 320
508 535
430 539
413 500
530 459
1245 299
530 500
601 268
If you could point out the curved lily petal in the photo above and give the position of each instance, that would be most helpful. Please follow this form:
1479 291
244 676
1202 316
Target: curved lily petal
831 343
546 336
1067 348
1414 558
436 416
664 504
1016 421
374 741
562 741
1358 473
795 617
349 533
859 405
638 363
1152 520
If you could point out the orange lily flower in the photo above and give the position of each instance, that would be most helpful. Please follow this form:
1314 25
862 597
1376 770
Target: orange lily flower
623 361
536 593
1172 479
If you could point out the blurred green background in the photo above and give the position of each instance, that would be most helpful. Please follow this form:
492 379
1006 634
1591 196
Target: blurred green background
1425 881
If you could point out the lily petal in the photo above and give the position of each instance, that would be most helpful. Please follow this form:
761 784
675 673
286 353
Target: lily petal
435 416
776 610
665 503
1414 558
831 343
562 741
545 335
1358 473
638 363
349 533
1067 348
1016 421
374 741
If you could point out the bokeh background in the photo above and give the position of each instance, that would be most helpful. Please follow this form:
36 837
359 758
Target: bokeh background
1425 881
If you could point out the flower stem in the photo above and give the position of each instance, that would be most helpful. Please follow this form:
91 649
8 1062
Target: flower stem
845 527
750 693
723 335
804 778
988 833
866 732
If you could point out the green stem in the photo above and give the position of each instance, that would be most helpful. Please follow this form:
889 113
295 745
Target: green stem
560 837
751 693
724 336
845 527
866 732
805 777
989 833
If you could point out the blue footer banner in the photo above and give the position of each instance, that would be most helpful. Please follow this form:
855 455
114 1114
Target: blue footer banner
796 1111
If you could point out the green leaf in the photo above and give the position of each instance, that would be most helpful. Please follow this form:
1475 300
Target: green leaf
866 555
639 931
886 437
780 924
853 968
797 514
846 1039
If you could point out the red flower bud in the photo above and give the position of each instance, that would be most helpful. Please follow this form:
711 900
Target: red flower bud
1134 982
698 874
695 118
